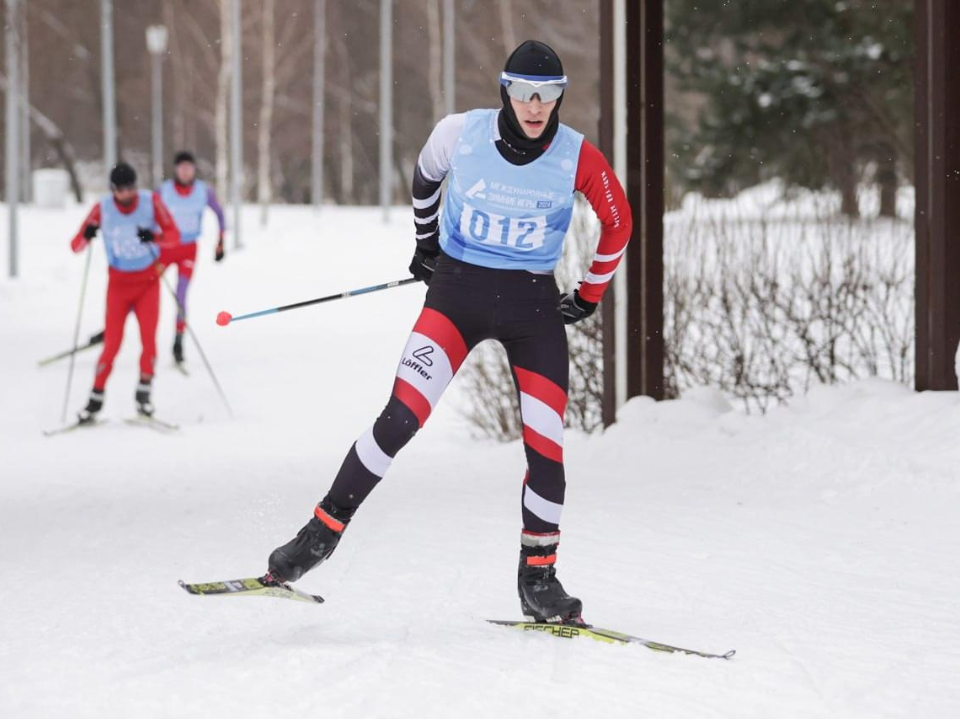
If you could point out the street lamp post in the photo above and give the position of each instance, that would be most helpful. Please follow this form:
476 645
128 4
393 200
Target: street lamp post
386 106
157 45
109 85
236 122
13 134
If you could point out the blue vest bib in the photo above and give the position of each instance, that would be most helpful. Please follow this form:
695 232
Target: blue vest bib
500 215
187 210
124 250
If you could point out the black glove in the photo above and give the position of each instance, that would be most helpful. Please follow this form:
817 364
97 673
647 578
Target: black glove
575 308
145 234
220 252
423 264
90 231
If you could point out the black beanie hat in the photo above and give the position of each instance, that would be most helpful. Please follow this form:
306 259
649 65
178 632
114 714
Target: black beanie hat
184 156
123 175
534 58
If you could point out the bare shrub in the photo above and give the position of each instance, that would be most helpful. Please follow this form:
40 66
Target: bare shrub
764 308
761 305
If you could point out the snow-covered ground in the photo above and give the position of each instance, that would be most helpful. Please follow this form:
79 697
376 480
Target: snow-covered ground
821 540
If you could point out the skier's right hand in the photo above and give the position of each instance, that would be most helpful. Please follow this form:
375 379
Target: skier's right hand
423 264
90 231
574 308
146 235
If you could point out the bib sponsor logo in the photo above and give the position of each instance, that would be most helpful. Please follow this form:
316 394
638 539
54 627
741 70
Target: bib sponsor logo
477 190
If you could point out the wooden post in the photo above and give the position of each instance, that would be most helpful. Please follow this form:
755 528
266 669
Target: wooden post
608 308
645 192
937 220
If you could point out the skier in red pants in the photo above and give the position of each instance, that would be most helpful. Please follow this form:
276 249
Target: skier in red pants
187 197
138 231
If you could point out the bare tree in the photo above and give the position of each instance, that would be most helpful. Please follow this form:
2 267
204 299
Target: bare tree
223 95
435 67
54 135
179 76
65 79
344 105
269 80
507 29
26 165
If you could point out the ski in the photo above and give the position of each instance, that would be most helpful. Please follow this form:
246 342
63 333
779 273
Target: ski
268 587
73 426
180 367
265 586
603 635
153 423
92 343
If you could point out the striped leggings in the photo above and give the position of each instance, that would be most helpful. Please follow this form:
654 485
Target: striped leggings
465 305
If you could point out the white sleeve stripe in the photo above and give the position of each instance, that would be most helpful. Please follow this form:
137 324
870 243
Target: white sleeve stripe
597 279
427 202
423 236
423 214
607 258
427 220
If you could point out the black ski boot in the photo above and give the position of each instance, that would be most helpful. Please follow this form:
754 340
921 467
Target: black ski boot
88 416
542 597
315 542
144 406
178 349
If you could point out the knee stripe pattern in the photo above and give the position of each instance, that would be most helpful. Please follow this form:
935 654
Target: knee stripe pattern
413 399
541 507
542 405
438 326
431 358
541 418
371 455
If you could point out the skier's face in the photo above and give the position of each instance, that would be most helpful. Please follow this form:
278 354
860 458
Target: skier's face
533 115
186 172
125 195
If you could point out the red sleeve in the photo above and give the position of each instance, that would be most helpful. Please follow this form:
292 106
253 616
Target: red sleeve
595 179
79 242
168 228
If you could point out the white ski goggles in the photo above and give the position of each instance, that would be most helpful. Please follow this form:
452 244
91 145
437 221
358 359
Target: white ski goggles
524 87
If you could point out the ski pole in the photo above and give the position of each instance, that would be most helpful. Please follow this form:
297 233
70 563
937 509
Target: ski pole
193 336
76 331
224 318
92 342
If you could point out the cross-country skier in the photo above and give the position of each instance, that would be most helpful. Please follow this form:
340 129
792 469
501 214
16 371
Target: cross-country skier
137 232
488 261
187 197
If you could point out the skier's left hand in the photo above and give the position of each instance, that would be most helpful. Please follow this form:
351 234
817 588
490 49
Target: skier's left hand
220 252
146 235
423 264
575 308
